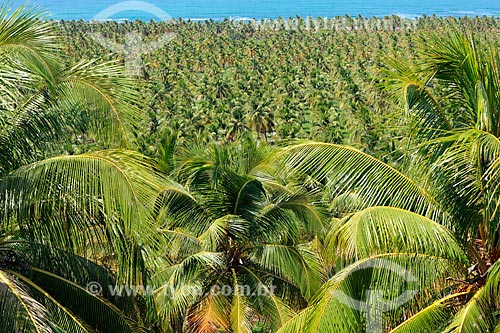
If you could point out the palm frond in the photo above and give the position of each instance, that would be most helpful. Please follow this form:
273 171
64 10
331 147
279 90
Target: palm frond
405 84
430 318
267 300
179 287
471 76
378 230
304 205
20 311
475 317
106 92
336 306
24 38
227 226
343 169
94 310
176 207
69 266
64 318
71 201
299 264
239 318
210 315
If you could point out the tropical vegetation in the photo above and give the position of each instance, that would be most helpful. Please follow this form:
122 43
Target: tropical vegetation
253 178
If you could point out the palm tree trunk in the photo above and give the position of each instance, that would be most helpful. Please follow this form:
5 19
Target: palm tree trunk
179 323
471 248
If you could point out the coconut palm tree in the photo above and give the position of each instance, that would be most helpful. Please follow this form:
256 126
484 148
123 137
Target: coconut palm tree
448 187
240 240
432 219
63 215
44 97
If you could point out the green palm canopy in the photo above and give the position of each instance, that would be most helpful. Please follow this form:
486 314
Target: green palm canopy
434 217
62 215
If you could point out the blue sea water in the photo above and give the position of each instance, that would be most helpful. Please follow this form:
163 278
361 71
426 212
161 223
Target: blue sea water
259 9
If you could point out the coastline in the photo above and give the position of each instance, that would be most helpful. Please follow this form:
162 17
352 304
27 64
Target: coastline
270 20
146 18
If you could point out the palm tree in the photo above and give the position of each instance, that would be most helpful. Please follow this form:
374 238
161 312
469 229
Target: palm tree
43 289
43 99
240 248
63 215
433 220
449 186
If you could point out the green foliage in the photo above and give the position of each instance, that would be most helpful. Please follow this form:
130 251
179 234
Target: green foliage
301 232
59 212
221 80
450 99
231 228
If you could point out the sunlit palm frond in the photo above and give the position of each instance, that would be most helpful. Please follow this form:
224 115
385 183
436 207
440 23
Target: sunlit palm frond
378 230
72 201
470 73
475 317
478 313
181 286
405 84
430 318
211 314
343 169
24 38
299 264
339 306
109 96
239 317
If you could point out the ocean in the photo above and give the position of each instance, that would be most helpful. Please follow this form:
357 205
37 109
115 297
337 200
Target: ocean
257 9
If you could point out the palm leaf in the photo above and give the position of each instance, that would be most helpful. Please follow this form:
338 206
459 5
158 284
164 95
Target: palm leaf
20 311
239 317
266 299
24 37
405 84
299 264
378 230
106 92
475 317
71 267
71 201
210 315
430 318
64 318
180 286
343 169
96 311
335 306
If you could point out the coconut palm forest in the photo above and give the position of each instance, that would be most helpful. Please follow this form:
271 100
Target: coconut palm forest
284 176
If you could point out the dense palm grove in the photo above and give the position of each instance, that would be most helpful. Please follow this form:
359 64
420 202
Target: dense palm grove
250 179
215 81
